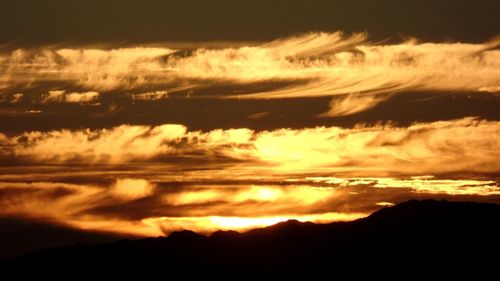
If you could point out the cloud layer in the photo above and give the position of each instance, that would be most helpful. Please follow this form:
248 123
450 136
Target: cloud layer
463 145
140 207
118 174
309 65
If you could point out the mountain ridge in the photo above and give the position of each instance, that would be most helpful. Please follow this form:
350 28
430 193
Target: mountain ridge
427 235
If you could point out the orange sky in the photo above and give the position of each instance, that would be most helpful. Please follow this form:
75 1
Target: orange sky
318 126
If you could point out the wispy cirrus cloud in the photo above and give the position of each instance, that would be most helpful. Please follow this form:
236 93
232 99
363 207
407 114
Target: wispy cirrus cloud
308 65
351 104
92 68
151 180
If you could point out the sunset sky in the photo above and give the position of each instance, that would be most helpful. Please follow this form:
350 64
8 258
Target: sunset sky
145 117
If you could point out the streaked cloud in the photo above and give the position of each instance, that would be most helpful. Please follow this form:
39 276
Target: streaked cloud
156 95
308 65
149 180
11 98
92 68
493 89
421 184
142 207
259 115
352 103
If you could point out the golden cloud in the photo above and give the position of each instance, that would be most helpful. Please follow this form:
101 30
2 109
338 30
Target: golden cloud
11 98
62 96
131 189
309 65
156 95
463 145
141 207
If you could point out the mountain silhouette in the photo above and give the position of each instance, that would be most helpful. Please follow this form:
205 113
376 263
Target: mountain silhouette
19 236
417 238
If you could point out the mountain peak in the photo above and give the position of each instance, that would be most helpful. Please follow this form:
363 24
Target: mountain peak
403 236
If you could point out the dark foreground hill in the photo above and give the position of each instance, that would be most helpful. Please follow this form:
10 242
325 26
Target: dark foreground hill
412 238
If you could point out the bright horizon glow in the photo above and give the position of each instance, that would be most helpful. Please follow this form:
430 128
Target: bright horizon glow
319 126
213 223
210 208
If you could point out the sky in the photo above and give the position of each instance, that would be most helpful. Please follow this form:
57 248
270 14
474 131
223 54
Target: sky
146 117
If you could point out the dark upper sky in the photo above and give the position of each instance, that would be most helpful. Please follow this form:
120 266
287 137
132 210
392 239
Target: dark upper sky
25 22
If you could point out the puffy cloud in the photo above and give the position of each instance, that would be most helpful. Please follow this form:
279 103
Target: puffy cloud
421 148
62 96
131 189
114 145
463 145
149 180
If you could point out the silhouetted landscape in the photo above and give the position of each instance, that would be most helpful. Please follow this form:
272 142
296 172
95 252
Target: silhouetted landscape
249 139
417 236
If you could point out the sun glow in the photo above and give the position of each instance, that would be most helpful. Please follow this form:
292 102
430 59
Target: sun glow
138 173
210 224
